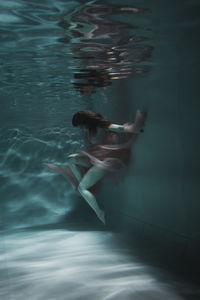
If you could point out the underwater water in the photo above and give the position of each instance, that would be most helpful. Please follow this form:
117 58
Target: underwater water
58 57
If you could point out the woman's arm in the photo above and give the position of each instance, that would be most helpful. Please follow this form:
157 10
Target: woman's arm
121 128
135 127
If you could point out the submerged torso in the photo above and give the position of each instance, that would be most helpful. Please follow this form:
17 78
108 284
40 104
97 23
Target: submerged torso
108 149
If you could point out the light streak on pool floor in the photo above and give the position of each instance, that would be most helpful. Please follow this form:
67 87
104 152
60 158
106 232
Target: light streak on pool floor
71 265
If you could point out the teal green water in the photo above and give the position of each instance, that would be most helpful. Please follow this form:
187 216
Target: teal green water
57 57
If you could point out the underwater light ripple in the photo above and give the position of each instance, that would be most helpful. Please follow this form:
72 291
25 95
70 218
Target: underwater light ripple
68 265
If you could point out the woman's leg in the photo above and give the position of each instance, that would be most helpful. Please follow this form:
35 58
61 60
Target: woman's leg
93 175
66 172
74 160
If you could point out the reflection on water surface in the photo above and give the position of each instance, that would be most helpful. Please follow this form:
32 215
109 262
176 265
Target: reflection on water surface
105 48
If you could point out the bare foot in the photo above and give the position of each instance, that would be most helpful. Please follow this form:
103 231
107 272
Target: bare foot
101 217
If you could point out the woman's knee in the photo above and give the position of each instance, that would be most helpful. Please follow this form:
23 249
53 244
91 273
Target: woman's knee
81 187
72 158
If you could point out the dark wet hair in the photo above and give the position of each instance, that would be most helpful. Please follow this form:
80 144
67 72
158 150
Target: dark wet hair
90 120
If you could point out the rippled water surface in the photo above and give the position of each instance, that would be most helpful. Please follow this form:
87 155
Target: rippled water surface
57 57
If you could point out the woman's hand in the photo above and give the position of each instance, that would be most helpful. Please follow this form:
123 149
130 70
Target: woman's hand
129 127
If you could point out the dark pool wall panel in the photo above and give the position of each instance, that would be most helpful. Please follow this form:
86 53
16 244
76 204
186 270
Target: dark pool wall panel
160 197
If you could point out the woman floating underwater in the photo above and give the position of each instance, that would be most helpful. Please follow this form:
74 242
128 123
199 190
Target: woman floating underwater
109 147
